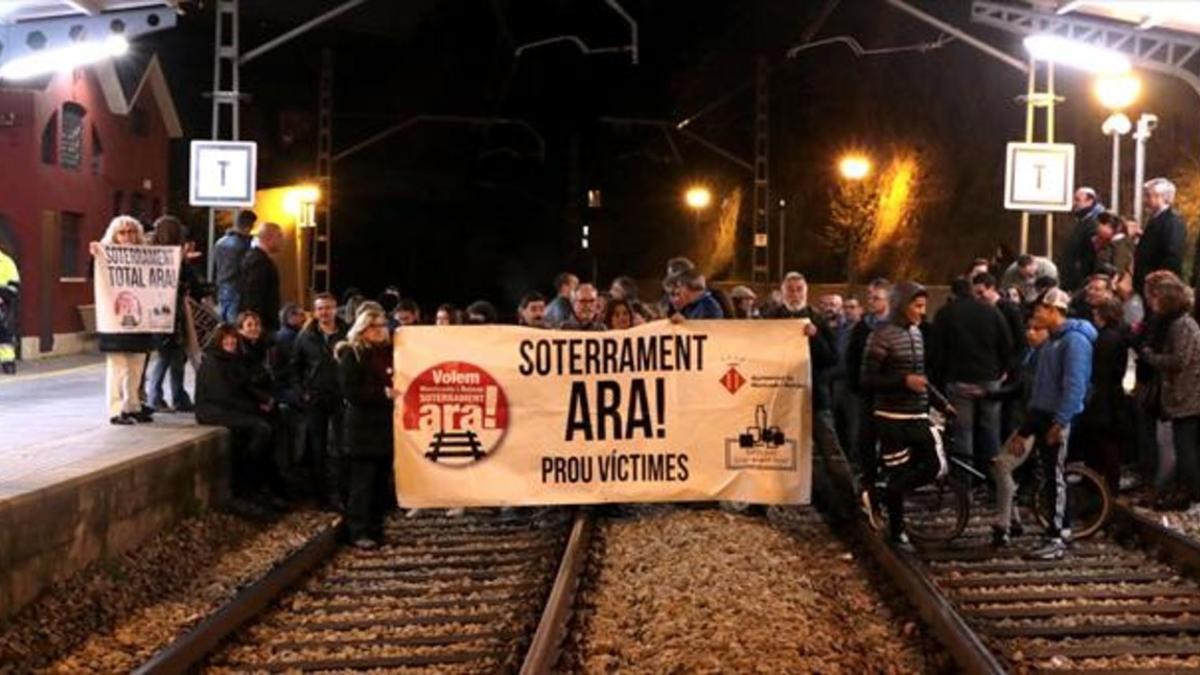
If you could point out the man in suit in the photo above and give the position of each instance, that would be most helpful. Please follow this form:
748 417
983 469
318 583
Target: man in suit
1164 237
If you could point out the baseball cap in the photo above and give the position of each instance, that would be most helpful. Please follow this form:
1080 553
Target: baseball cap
1057 298
740 292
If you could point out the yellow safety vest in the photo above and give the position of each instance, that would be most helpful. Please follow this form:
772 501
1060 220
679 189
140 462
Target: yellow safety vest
8 272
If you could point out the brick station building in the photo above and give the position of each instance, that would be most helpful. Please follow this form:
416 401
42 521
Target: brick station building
76 149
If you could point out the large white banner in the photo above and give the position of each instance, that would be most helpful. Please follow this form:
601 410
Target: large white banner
135 288
504 415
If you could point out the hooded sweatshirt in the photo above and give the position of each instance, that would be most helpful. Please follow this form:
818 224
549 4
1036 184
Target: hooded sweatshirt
894 350
1064 371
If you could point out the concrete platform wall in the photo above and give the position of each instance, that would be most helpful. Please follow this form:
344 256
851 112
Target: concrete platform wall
53 531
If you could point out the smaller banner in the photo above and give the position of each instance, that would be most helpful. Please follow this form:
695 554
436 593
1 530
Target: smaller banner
135 288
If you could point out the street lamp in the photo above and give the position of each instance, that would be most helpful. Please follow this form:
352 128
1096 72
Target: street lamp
854 167
1116 93
698 197
301 202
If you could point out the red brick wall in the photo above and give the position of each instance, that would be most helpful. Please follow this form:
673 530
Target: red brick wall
29 188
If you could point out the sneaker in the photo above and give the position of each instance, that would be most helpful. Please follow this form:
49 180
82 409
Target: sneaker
869 510
1000 537
1053 548
365 544
122 420
185 407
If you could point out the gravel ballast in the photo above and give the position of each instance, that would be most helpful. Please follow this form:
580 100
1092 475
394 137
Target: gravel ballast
117 613
707 591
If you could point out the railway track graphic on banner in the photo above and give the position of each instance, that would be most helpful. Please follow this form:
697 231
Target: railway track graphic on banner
663 412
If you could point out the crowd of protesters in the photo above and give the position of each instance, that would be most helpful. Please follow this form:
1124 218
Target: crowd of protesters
1032 357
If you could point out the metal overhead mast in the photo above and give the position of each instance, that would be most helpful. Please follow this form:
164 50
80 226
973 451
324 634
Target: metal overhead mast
226 95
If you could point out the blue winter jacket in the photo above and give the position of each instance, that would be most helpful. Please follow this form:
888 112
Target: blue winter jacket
1064 370
705 307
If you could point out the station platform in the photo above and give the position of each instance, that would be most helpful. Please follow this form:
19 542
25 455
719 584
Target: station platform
75 489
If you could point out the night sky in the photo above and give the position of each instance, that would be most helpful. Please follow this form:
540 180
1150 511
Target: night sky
457 213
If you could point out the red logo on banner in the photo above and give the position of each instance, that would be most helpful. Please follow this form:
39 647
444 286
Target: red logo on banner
456 411
732 380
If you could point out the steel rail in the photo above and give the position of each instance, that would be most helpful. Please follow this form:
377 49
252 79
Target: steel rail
547 640
905 572
189 649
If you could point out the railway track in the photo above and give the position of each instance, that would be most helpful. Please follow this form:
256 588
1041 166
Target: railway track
1125 602
481 593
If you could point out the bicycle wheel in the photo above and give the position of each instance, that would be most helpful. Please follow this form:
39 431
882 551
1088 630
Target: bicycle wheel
937 512
1087 497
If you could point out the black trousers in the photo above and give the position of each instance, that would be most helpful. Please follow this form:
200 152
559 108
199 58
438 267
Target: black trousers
325 425
908 450
369 496
252 463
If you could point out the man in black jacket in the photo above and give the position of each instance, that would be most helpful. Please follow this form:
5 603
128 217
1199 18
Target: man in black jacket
822 352
1164 237
315 380
1079 256
260 278
895 375
970 352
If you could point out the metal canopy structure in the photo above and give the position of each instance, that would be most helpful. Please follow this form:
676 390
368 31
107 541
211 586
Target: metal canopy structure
30 26
15 11
1173 52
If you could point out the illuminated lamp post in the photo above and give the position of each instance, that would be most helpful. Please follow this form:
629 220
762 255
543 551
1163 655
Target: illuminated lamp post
1116 93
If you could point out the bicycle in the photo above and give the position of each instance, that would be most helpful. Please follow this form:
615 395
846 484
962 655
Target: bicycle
940 511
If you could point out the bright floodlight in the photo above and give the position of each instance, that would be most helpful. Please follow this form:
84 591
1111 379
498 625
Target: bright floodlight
1117 92
1076 54
64 58
297 198
698 197
854 167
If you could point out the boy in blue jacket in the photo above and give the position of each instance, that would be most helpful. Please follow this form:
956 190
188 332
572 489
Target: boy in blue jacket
1062 371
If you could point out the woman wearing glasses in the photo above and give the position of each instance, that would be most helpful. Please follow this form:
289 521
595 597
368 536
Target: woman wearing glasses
365 373
125 353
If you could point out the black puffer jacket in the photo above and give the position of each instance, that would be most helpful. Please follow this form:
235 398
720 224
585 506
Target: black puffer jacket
894 350
313 369
223 385
365 376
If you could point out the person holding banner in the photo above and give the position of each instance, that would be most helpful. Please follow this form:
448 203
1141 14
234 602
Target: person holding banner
125 352
365 375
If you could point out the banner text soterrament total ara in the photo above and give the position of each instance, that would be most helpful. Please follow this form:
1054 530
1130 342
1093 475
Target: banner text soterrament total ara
135 288
703 410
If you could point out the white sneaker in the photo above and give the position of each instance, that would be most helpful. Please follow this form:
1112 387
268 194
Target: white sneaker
1052 549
